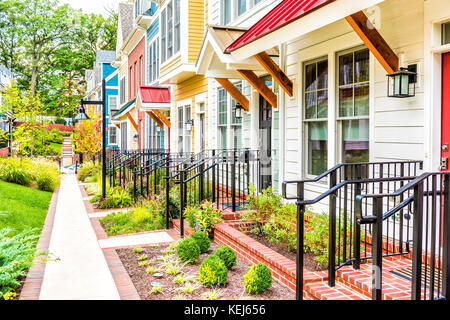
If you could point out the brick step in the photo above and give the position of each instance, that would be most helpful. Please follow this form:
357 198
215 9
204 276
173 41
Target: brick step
393 287
321 291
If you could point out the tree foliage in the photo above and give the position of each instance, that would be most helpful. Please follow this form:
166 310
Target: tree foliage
87 137
50 46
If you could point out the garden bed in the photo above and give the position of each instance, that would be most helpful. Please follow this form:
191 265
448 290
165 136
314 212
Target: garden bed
309 259
233 289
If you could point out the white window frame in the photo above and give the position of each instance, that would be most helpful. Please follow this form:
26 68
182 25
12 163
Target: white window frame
109 103
153 60
168 30
109 135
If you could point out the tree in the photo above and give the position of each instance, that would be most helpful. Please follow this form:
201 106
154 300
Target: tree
26 108
49 46
87 137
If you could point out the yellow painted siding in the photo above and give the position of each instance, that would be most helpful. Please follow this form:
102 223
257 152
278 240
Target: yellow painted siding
196 28
188 89
171 65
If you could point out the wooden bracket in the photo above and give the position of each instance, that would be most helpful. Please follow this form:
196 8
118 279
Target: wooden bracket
118 125
234 92
260 86
275 71
132 121
374 41
156 119
162 117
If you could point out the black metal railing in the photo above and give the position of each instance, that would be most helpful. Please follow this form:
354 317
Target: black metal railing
428 196
346 182
220 176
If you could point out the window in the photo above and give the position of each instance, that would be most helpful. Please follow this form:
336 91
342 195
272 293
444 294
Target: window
112 104
180 129
112 135
122 91
223 117
170 30
163 36
130 82
177 26
353 95
153 58
241 6
187 133
236 123
141 76
446 33
226 12
316 114
123 135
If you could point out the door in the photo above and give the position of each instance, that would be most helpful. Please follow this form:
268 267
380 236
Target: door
265 143
445 135
202 132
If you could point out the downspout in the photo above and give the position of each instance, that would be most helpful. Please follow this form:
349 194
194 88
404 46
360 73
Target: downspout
282 124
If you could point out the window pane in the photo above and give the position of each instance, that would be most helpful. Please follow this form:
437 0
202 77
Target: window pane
317 147
355 141
362 66
362 100
446 33
242 6
346 102
310 105
310 77
322 104
226 11
322 74
346 69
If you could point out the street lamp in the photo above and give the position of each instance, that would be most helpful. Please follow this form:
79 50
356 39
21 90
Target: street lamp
83 116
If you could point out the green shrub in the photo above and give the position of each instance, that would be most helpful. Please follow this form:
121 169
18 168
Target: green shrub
213 271
202 240
15 173
16 255
258 279
188 251
116 198
264 204
206 216
227 255
88 169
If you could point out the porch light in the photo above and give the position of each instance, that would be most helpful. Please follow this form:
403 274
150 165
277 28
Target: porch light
404 83
189 124
239 111
82 115
136 137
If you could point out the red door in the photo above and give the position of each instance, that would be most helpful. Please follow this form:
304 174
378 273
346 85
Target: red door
445 147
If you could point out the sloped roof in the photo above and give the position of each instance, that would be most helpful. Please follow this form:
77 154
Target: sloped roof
105 56
124 108
126 19
284 13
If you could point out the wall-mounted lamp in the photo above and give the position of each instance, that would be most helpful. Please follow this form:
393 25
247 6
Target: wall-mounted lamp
404 82
189 124
136 137
239 111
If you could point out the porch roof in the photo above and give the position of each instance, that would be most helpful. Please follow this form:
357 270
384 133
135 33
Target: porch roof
153 97
214 62
122 111
291 19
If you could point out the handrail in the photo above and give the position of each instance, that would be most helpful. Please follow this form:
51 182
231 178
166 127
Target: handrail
335 168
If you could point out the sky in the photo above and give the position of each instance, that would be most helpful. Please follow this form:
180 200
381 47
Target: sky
92 6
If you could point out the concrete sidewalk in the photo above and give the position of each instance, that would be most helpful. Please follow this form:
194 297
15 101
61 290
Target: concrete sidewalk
82 272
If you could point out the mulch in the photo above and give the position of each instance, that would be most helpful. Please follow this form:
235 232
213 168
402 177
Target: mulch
233 289
309 259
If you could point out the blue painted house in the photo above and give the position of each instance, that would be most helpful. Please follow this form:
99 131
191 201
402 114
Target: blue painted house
103 70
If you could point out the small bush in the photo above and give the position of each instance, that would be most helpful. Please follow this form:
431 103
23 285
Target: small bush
227 255
88 169
206 216
188 250
258 279
116 198
213 271
202 240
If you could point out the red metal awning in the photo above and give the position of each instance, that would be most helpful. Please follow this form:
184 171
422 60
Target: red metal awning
153 94
283 14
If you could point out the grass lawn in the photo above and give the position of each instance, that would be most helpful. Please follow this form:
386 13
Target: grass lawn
57 147
22 207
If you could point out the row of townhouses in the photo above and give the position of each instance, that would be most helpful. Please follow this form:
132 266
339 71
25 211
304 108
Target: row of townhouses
302 81
6 76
